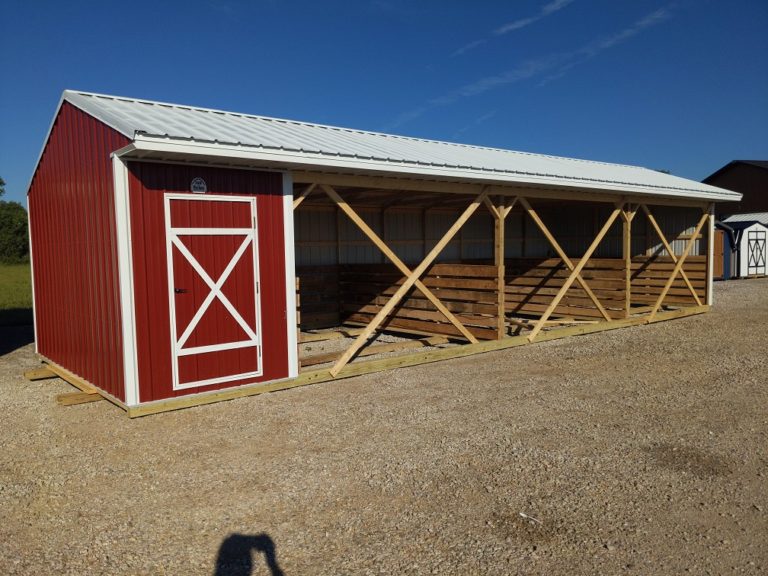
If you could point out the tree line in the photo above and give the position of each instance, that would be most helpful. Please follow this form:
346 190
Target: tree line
14 231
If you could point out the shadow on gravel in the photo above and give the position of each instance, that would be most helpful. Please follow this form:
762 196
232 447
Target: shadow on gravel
236 555
13 337
688 459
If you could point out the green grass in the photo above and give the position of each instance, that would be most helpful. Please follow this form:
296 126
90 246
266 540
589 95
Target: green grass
15 295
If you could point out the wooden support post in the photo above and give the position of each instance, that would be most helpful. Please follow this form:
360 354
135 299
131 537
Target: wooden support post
563 256
575 273
670 251
381 245
626 247
500 214
678 266
297 201
409 282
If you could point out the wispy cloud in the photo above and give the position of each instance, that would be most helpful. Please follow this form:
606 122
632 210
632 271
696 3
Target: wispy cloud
476 122
545 11
548 68
467 47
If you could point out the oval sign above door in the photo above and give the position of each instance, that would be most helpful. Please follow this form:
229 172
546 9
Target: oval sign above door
198 186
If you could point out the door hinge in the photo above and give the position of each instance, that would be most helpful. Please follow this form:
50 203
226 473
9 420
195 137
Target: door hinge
254 222
257 287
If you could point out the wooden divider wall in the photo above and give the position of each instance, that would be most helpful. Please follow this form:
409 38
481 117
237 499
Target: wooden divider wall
318 297
468 290
532 283
650 275
332 295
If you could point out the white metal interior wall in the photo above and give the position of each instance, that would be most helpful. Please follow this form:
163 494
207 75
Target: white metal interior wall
324 237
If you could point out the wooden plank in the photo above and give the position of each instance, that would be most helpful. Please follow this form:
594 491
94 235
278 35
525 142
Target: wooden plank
330 335
575 274
560 252
43 373
402 312
412 279
377 349
358 368
333 195
426 327
678 266
352 301
446 294
74 398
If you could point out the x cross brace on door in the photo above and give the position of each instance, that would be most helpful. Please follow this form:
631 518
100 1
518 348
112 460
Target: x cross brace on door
215 292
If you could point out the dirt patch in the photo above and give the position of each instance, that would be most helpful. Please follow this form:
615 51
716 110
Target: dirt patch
636 451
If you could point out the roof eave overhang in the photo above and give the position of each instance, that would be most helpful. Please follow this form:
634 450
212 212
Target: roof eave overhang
159 148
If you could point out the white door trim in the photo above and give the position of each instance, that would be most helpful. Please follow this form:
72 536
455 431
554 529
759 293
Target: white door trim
124 251
250 240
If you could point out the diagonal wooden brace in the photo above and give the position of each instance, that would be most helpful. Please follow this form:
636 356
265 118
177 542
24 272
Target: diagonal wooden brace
575 273
381 245
307 191
671 252
563 256
411 280
678 266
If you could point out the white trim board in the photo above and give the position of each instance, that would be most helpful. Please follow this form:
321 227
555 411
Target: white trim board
125 279
290 276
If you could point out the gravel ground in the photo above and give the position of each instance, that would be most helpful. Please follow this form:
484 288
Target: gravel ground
637 451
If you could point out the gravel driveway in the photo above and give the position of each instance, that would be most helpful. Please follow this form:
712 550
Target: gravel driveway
636 451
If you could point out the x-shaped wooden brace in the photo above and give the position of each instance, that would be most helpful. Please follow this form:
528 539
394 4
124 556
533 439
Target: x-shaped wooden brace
575 271
669 250
412 277
564 257
680 261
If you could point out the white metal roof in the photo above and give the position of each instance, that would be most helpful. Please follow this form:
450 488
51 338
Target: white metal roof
328 147
761 217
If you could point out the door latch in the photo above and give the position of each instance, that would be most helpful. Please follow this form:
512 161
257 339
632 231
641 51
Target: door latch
180 290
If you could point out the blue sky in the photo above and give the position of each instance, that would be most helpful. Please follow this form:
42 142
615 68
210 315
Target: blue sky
680 85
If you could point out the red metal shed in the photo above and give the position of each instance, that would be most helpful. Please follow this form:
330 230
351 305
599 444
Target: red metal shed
165 264
155 280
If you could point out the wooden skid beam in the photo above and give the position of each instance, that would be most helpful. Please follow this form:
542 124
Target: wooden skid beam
411 280
43 373
74 398
371 366
678 266
671 252
563 256
378 349
575 273
73 379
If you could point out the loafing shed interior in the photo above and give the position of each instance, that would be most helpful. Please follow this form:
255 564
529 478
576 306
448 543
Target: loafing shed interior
212 255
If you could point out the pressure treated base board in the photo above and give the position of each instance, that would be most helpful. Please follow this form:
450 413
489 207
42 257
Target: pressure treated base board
359 368
73 398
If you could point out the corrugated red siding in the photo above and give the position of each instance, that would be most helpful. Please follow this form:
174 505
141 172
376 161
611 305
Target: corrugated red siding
72 224
147 183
